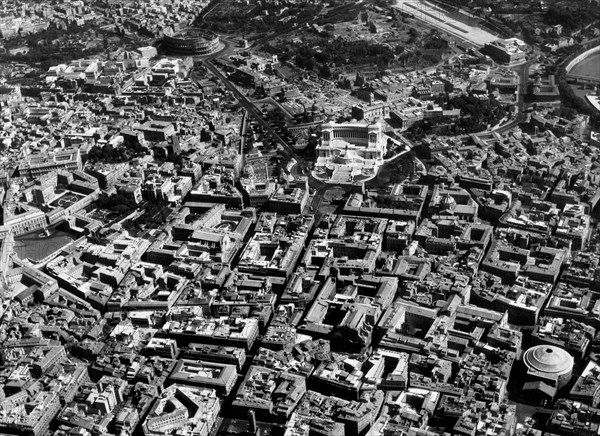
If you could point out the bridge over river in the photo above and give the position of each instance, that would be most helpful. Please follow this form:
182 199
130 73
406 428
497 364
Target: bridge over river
580 78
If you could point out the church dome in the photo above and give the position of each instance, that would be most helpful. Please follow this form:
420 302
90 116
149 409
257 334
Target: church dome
447 202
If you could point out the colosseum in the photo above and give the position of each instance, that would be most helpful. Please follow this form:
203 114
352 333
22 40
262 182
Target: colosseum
191 42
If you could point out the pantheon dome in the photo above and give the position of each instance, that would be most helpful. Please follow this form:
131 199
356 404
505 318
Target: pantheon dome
550 364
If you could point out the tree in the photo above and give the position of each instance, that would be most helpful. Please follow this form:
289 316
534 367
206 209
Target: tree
345 84
325 72
205 136
413 33
360 80
322 57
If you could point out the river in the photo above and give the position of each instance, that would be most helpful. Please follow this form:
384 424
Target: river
587 67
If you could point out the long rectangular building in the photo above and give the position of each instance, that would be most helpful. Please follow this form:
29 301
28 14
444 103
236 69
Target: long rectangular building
37 165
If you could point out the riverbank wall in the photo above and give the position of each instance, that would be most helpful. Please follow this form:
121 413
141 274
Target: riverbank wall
581 57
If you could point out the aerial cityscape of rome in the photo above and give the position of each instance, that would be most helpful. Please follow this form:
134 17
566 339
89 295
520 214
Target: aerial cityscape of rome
300 217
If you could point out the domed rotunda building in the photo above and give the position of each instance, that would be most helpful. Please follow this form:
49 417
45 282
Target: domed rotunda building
549 368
